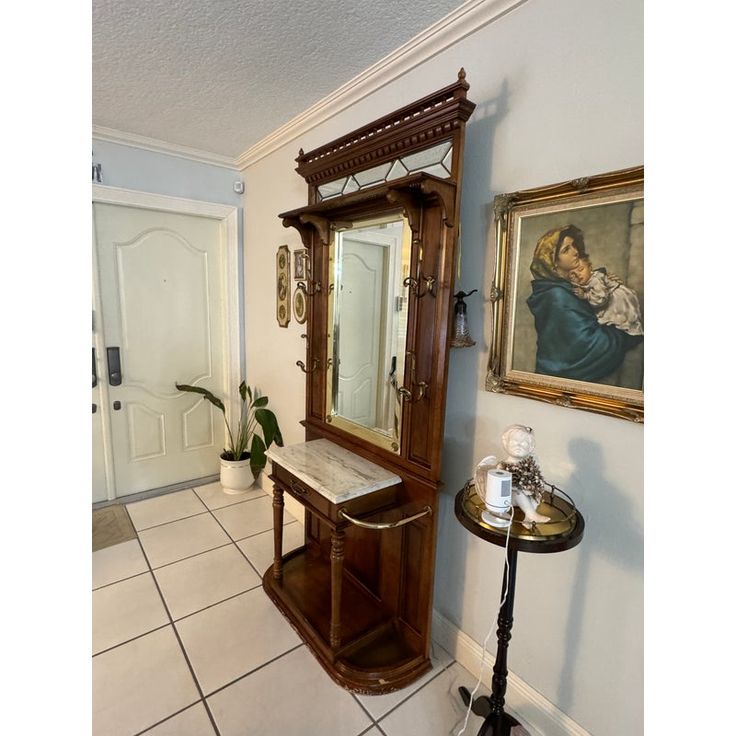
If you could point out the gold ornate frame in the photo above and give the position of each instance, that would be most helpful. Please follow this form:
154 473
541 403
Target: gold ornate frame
509 211
283 284
301 266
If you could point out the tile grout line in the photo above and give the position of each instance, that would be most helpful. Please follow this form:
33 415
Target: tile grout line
172 622
132 638
254 670
216 603
365 710
171 619
122 580
181 646
205 551
175 620
229 536
188 557
375 722
168 718
440 670
369 729
260 577
191 516
170 521
227 505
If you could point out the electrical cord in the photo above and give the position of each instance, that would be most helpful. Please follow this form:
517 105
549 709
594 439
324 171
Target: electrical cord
493 623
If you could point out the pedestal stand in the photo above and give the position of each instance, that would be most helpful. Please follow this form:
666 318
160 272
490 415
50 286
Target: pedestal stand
563 531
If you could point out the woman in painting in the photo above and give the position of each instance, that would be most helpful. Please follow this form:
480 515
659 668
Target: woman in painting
571 343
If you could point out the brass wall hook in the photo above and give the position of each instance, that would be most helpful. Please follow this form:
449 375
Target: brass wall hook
415 285
407 394
314 366
310 288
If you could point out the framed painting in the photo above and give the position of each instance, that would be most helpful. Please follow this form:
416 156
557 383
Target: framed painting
300 304
283 293
300 264
568 294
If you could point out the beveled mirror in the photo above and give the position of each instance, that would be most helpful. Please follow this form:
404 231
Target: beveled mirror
367 314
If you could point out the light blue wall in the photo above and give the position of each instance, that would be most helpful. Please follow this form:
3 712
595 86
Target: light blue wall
129 167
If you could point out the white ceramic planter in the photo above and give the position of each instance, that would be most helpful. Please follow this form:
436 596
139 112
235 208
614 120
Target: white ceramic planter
236 476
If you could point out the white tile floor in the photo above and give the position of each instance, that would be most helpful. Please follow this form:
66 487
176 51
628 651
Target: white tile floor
186 643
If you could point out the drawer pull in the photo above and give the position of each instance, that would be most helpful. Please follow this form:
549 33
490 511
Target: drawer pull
298 489
386 524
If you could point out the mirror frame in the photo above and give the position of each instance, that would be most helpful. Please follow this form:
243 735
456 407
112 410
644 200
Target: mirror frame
369 434
430 205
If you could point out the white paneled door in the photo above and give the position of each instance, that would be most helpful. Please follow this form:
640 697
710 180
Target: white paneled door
161 317
364 365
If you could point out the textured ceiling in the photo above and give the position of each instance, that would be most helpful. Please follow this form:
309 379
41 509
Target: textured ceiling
221 75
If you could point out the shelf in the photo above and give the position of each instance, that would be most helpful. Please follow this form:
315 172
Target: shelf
374 657
409 194
306 582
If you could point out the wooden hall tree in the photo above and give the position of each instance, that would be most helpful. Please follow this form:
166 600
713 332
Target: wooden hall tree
360 590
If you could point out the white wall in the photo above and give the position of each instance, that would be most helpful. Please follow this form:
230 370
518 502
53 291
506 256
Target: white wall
559 92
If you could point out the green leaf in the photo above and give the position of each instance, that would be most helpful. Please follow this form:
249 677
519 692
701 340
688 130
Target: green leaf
204 392
262 401
271 432
257 455
244 391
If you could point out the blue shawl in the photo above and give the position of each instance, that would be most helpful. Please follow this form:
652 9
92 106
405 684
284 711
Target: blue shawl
570 341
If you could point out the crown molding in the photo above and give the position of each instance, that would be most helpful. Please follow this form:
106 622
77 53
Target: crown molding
463 21
171 149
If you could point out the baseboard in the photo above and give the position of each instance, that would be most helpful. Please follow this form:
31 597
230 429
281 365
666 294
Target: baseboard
144 495
537 714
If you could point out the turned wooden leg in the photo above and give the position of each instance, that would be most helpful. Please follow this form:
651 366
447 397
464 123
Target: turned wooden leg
502 721
278 530
496 721
336 559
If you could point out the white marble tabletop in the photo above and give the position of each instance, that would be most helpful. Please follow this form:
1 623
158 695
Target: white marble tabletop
334 472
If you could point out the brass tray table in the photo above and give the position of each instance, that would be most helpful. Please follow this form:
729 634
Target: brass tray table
563 531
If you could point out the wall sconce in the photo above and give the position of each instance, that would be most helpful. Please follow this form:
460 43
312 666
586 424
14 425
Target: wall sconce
460 331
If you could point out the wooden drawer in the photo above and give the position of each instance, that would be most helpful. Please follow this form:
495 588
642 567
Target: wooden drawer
314 501
300 491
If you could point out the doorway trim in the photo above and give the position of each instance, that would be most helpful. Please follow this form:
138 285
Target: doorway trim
233 307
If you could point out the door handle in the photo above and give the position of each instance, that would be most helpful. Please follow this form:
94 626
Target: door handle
94 369
94 408
114 373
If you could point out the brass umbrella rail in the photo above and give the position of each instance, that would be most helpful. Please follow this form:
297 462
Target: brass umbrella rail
427 511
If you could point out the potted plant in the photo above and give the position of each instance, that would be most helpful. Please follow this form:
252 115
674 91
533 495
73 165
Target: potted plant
242 461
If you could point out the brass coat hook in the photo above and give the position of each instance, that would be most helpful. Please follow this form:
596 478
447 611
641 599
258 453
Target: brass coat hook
407 394
309 288
415 285
314 366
